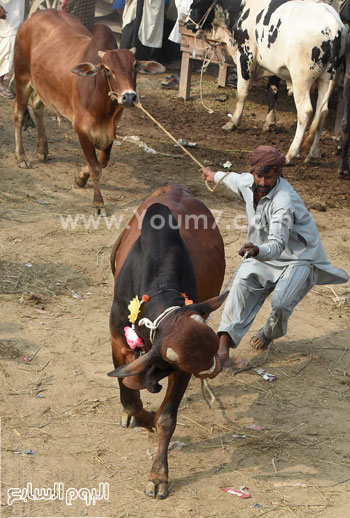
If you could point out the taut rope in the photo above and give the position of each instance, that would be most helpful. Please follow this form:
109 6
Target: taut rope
139 105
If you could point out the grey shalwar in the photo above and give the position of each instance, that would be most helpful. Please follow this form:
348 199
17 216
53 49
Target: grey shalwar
291 258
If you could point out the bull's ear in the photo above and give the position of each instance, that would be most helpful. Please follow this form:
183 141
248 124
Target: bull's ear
149 67
101 53
135 367
208 305
86 69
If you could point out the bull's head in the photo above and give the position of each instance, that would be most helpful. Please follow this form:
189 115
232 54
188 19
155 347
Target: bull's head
120 68
201 15
183 341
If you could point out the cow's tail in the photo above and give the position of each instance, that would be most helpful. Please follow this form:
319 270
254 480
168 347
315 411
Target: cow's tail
115 250
317 118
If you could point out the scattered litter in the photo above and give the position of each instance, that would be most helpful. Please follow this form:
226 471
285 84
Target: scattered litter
266 375
176 445
150 454
229 115
238 436
185 143
242 492
30 358
29 264
227 164
43 202
136 140
256 427
89 293
29 452
41 311
41 396
257 506
76 295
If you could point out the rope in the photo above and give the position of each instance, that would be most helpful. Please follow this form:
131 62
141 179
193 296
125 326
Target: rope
139 105
153 326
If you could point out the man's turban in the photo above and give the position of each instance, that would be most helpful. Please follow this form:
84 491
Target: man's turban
266 156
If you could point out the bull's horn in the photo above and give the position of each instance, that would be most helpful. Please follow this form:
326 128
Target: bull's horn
101 53
134 367
133 50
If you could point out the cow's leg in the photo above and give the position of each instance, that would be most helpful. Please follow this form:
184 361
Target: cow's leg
23 93
104 155
133 412
243 83
301 92
38 108
343 170
272 94
94 169
312 141
165 423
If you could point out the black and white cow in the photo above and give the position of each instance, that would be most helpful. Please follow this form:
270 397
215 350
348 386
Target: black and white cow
301 42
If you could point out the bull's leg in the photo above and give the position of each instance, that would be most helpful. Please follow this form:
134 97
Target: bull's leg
243 83
94 169
312 142
165 422
38 108
301 92
23 93
84 173
343 170
104 155
272 94
133 412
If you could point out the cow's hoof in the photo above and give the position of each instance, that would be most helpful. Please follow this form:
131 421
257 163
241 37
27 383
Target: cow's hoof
80 182
227 127
128 421
159 490
99 211
24 164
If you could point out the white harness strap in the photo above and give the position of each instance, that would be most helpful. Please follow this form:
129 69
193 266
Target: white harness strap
153 326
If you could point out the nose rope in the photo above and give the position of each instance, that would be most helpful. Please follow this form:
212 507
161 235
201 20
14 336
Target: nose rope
112 94
153 326
139 105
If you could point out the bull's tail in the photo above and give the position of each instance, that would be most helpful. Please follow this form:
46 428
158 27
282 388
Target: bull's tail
115 251
317 120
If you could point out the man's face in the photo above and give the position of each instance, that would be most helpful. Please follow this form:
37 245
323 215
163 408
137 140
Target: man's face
265 179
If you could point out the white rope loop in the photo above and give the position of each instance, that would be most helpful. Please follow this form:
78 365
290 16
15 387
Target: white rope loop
153 326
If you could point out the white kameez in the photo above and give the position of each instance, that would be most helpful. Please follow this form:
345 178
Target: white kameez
152 24
8 30
290 262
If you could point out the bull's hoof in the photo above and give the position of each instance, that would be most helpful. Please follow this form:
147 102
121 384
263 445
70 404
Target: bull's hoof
128 421
99 211
227 127
80 182
24 164
157 490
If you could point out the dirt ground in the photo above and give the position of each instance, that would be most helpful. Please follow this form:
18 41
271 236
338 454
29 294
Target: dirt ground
286 441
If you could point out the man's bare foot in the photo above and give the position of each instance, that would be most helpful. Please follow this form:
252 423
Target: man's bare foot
259 341
224 350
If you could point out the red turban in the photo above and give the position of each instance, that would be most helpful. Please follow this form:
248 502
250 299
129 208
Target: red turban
266 156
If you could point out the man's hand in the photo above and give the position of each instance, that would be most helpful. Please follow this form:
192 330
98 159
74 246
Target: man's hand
250 249
207 174
3 13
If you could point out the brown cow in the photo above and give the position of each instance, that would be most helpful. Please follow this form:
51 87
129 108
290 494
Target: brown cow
177 255
50 45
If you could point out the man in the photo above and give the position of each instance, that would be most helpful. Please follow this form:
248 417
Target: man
283 255
14 11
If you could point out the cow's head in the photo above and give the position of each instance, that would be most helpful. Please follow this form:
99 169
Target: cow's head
183 341
201 15
120 68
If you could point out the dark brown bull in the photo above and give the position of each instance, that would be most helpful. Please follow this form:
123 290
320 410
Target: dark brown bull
50 45
178 251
